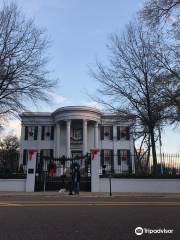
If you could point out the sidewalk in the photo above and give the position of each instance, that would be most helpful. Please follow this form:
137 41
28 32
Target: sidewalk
90 194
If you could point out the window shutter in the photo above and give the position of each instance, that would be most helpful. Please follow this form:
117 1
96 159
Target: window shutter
26 133
24 157
129 161
128 157
102 158
41 152
111 133
119 156
112 161
42 132
127 133
35 132
52 132
118 133
102 132
51 153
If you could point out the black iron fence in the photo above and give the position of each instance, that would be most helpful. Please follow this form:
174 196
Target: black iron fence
56 173
168 165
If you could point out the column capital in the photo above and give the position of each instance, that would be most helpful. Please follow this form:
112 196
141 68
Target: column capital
85 121
68 121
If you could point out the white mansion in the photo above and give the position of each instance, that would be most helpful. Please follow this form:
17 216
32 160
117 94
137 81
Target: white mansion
75 130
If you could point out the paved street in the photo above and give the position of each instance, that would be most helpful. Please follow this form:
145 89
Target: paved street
54 216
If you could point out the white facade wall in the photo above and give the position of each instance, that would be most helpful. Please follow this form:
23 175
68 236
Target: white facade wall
140 185
14 185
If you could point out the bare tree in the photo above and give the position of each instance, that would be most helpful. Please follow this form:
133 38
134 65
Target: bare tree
9 154
164 15
156 12
23 60
168 57
10 143
130 83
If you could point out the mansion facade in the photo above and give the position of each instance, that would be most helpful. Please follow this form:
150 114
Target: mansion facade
76 130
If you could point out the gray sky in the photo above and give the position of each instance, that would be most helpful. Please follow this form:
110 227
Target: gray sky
79 32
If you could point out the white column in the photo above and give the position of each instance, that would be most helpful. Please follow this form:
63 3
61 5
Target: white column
95 163
21 143
96 137
84 137
68 135
57 138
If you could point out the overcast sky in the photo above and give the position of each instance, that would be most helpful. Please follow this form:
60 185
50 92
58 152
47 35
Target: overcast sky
79 31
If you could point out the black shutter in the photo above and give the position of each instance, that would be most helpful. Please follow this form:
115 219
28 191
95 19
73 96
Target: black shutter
112 161
102 132
51 153
102 158
42 132
52 132
129 160
128 157
127 133
35 132
119 156
111 133
41 153
24 157
26 133
118 133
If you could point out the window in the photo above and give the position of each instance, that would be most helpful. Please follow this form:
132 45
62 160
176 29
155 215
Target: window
47 133
123 133
47 152
107 159
106 132
123 156
31 133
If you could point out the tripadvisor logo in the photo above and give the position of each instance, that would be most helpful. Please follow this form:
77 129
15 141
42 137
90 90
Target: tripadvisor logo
139 231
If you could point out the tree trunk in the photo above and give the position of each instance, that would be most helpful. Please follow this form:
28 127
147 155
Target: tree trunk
151 126
153 144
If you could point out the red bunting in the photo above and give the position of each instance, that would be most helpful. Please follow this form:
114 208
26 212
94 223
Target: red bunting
94 153
31 152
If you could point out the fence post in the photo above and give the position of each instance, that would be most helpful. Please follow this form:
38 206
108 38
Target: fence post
95 168
31 170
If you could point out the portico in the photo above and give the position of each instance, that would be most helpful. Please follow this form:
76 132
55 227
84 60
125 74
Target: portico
77 129
76 136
